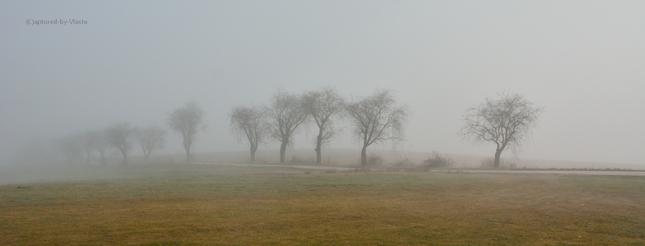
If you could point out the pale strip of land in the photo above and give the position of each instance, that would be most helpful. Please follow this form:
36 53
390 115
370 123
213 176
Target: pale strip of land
350 157
337 168
333 159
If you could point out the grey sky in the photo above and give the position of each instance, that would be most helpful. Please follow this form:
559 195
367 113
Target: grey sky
137 61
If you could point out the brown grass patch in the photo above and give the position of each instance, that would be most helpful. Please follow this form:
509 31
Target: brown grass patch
210 205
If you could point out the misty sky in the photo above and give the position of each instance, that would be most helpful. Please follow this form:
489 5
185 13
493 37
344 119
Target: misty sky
137 61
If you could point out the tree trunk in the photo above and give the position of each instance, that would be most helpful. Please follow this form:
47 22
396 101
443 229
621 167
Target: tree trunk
103 161
253 150
283 149
147 156
187 147
364 156
498 152
318 148
89 155
125 158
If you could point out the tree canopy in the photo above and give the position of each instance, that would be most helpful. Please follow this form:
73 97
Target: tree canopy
506 121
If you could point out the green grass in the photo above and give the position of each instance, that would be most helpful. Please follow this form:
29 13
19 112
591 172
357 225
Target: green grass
225 205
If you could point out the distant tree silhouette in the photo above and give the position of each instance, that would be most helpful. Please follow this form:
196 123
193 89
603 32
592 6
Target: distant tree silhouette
72 148
102 145
188 122
287 112
121 136
151 138
250 122
377 118
506 121
89 141
323 106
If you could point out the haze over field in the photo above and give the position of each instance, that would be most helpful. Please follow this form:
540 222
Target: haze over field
138 61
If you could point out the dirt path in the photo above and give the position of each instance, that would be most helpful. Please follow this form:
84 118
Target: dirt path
562 172
565 172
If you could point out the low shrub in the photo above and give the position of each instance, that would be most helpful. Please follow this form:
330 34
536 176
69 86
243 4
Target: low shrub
404 163
375 160
437 161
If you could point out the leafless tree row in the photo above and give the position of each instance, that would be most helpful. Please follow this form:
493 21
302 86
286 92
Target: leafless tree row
506 121
374 119
80 147
120 137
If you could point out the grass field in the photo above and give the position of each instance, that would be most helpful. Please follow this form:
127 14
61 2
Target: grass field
224 205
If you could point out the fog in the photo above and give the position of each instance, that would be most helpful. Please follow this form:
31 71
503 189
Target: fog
139 61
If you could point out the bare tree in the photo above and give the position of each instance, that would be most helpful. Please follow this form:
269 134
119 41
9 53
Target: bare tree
71 148
89 140
506 121
151 138
39 151
102 145
376 118
188 122
323 105
288 113
250 121
120 136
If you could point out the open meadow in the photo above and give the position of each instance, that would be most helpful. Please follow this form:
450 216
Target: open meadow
181 204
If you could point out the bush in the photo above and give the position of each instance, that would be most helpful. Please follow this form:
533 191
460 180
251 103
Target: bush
487 163
437 161
404 163
374 160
